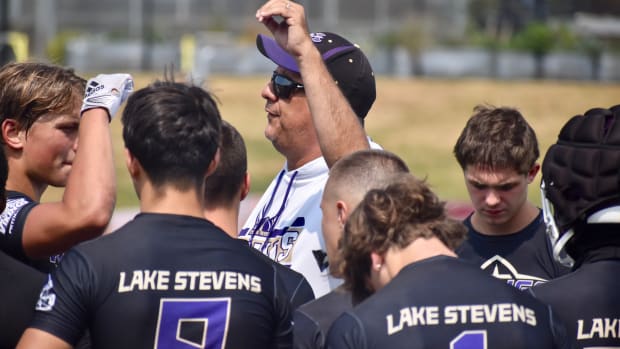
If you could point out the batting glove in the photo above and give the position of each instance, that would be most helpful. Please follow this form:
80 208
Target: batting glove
107 91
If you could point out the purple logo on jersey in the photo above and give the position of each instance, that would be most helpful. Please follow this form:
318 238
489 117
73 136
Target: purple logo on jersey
317 37
55 259
277 244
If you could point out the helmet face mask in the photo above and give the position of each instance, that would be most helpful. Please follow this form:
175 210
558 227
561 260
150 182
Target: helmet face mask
558 240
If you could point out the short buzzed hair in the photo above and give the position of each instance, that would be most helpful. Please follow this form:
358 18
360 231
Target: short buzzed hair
363 170
223 184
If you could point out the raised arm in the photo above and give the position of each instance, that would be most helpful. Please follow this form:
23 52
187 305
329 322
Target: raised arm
338 128
89 197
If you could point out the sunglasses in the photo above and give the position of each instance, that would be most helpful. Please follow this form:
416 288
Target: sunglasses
283 86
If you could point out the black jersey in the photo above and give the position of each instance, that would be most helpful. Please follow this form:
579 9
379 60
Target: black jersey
312 320
19 289
12 221
522 259
444 302
297 287
587 299
166 281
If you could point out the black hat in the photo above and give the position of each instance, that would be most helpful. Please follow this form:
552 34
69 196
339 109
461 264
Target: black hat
345 61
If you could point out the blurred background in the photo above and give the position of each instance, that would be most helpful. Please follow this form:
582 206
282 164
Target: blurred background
558 39
434 61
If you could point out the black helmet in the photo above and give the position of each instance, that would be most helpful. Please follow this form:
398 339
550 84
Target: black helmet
581 175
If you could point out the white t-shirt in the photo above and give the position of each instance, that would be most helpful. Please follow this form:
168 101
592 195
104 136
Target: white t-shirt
285 224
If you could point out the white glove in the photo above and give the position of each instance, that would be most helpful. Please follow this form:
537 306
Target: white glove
107 91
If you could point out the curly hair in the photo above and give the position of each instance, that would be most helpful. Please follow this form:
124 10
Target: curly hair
393 217
31 90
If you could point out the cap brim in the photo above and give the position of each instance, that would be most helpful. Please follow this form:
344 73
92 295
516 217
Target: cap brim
270 49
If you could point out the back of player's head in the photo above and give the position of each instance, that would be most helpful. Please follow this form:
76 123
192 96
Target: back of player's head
392 218
354 175
31 90
223 185
173 130
497 138
581 183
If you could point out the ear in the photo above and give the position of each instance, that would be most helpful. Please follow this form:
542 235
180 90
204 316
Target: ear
343 212
12 134
133 165
214 162
533 172
377 261
135 172
245 186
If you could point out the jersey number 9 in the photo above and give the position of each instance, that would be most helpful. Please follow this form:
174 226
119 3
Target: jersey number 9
189 323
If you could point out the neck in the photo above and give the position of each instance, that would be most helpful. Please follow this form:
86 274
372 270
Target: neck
297 160
419 249
170 200
224 217
18 181
522 219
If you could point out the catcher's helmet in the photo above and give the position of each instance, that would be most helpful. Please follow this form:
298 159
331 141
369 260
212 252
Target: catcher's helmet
581 176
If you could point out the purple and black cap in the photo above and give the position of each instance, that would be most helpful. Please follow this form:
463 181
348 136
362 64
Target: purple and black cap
345 61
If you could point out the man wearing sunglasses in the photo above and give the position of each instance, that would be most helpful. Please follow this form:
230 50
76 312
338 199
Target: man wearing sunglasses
316 101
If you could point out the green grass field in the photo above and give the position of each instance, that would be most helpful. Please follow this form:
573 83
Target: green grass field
419 119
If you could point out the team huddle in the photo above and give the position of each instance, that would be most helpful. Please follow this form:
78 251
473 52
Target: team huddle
345 249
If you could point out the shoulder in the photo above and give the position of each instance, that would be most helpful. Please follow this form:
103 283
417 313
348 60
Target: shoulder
298 288
347 332
324 310
16 204
307 332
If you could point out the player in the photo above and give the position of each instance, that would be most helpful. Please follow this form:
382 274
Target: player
581 202
20 285
316 101
169 278
349 179
42 118
497 151
224 191
399 243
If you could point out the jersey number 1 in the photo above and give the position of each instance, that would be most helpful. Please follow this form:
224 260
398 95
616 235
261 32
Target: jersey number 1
189 323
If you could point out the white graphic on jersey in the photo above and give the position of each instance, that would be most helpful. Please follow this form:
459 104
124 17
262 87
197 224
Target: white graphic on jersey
509 273
598 328
317 37
7 218
47 298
